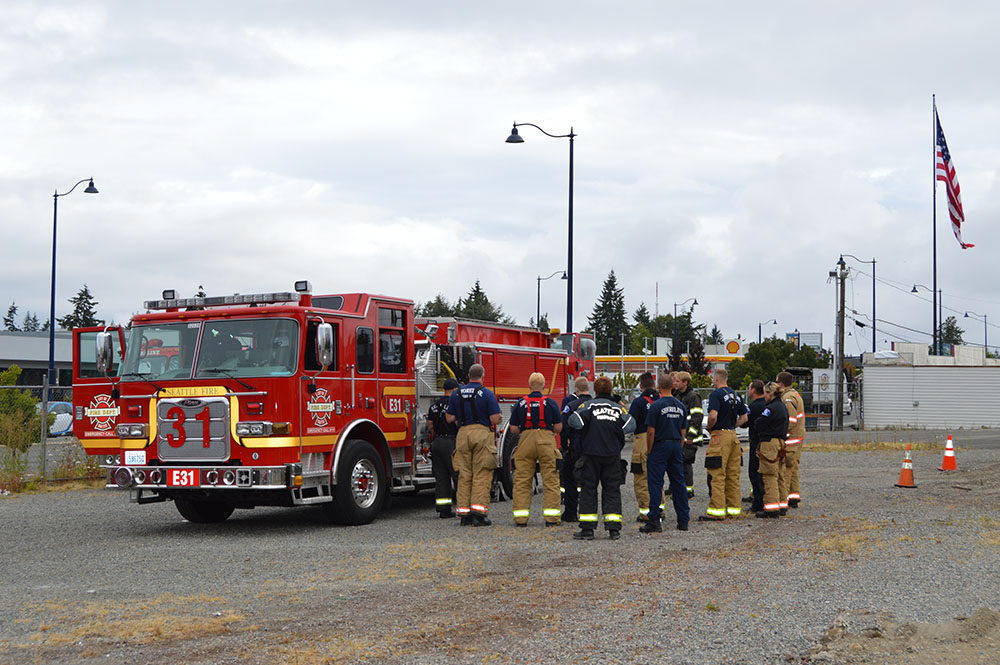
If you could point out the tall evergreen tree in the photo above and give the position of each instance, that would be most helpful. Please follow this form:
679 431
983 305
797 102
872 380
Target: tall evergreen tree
10 321
437 307
607 321
30 322
714 337
477 305
641 315
84 311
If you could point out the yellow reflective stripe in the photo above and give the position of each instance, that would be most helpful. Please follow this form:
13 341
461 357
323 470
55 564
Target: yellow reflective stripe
734 511
522 513
716 512
551 512
697 409
588 517
690 488
644 511
443 502
612 518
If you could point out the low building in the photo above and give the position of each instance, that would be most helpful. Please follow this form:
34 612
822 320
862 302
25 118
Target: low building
909 388
30 352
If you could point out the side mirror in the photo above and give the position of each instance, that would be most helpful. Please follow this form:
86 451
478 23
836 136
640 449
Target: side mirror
104 352
324 344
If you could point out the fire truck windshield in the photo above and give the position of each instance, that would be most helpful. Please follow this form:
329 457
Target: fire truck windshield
248 347
160 351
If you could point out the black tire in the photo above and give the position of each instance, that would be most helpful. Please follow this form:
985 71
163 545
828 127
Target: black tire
505 469
362 486
203 512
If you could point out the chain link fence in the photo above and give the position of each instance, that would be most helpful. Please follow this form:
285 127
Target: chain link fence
34 446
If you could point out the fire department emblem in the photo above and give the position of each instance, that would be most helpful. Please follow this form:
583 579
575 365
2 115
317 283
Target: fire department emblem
320 407
102 413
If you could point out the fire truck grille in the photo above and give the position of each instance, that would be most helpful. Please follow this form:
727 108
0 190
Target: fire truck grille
193 429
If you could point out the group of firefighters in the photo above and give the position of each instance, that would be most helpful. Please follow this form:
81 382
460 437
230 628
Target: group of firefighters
667 421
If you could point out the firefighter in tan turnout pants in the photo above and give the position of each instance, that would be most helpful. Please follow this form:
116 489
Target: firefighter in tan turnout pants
789 489
536 418
477 412
638 410
726 412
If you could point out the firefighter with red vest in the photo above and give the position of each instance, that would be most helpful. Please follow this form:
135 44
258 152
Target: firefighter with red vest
477 412
789 488
638 409
536 418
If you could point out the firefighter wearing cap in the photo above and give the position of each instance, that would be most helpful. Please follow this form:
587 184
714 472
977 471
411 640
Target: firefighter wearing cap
726 412
570 488
442 436
638 409
693 438
536 418
789 489
602 425
476 411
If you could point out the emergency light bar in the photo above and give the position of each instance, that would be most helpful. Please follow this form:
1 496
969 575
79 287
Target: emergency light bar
222 301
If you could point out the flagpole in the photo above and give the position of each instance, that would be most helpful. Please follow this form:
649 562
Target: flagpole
934 127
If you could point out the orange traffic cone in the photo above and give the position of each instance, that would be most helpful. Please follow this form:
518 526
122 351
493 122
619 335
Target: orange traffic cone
906 473
948 463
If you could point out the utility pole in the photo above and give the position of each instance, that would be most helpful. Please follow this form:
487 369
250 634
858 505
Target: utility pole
837 417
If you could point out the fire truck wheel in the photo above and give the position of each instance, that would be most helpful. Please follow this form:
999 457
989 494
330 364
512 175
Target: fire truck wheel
203 512
505 470
361 486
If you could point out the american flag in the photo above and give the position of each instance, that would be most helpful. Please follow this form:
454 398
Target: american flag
945 170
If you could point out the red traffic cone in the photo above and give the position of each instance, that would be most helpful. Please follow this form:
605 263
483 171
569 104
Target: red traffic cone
948 463
906 473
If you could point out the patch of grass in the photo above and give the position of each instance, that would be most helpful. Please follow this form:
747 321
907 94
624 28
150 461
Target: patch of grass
845 544
164 618
869 445
712 607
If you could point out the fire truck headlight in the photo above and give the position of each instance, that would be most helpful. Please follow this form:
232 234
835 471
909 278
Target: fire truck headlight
131 431
140 476
228 478
253 428
123 477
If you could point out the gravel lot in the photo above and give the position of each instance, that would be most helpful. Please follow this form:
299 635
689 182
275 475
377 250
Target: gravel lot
861 572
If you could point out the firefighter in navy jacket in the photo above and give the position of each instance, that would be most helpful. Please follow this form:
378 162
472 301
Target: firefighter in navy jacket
667 423
442 449
772 428
638 410
476 410
603 425
536 418
570 487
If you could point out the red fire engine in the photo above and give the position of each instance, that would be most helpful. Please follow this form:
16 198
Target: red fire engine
288 398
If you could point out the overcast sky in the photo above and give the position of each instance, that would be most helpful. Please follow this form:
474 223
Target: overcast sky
729 151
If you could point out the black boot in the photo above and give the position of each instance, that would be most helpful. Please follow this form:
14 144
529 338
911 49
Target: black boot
765 513
652 526
614 534
445 514
584 534
480 520
793 503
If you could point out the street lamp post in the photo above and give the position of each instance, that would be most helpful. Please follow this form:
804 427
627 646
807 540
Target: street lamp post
873 291
985 331
516 138
52 300
760 325
676 305
538 301
936 320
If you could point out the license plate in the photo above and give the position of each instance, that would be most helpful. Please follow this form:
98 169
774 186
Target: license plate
182 478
